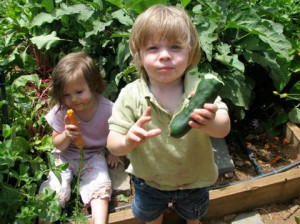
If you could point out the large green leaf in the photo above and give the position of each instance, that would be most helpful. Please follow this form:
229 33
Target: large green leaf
46 41
238 88
294 115
10 197
48 4
22 81
268 31
97 28
279 70
122 17
207 34
225 56
84 11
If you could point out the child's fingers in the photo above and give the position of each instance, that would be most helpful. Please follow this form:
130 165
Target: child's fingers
138 133
145 118
210 107
153 133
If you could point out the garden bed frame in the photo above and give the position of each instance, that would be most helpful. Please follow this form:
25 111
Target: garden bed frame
242 195
239 197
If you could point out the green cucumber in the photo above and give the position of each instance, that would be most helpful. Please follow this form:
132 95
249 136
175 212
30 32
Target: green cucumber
207 91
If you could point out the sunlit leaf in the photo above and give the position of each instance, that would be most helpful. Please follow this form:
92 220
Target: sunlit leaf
46 41
294 115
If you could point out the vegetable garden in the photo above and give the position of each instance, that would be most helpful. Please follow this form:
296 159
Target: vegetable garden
254 46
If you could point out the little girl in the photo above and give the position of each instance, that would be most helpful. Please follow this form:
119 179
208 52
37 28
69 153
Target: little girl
76 84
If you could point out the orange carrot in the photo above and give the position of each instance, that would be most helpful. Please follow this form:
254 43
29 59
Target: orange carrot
72 117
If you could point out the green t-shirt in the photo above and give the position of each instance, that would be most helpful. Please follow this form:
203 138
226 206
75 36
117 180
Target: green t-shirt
164 162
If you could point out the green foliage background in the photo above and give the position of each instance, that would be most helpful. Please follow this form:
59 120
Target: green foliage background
253 45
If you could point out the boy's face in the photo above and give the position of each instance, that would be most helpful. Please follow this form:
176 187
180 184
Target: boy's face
77 95
164 61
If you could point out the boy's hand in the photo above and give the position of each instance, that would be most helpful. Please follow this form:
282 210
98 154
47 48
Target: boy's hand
203 117
138 133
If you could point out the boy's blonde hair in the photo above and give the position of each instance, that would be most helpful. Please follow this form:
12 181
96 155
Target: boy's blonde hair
164 22
77 65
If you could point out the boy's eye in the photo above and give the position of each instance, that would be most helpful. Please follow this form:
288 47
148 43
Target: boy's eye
151 48
175 47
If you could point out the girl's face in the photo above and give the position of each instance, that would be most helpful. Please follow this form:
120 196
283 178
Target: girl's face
78 96
164 61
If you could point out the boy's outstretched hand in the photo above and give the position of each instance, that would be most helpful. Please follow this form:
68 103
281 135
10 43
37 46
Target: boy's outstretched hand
138 133
121 144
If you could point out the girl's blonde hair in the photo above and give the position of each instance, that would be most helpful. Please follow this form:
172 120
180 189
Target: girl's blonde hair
164 22
74 66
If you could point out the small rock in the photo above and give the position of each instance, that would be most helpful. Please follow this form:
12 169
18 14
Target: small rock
239 163
228 175
248 163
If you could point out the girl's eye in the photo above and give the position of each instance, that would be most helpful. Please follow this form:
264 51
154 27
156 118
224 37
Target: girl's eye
79 92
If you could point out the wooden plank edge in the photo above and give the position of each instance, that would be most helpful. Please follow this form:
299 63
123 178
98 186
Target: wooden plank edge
246 195
293 135
252 194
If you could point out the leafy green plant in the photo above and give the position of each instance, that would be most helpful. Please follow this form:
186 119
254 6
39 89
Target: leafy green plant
23 146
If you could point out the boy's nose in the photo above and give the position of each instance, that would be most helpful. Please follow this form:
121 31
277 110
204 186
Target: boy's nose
165 54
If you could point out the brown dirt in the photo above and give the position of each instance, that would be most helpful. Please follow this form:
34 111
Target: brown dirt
269 152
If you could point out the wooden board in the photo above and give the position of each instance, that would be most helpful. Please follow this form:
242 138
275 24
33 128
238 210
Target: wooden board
293 134
239 197
255 193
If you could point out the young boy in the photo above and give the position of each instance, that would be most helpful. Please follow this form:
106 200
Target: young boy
164 45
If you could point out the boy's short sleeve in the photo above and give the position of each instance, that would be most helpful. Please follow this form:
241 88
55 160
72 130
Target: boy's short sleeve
123 113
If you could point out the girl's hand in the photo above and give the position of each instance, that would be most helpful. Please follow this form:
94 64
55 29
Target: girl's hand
203 117
113 161
71 131
138 133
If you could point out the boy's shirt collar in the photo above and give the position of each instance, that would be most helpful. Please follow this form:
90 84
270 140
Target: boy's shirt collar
190 84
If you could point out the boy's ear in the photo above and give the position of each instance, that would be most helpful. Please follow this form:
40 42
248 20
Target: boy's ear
139 61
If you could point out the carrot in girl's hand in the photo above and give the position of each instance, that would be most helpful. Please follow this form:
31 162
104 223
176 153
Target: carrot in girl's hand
72 117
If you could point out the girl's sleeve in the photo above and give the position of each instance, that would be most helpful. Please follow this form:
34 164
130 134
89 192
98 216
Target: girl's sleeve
56 119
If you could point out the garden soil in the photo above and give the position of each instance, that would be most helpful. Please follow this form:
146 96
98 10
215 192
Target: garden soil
269 153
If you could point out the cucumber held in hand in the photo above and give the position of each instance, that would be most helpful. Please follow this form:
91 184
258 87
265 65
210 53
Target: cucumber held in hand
207 91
